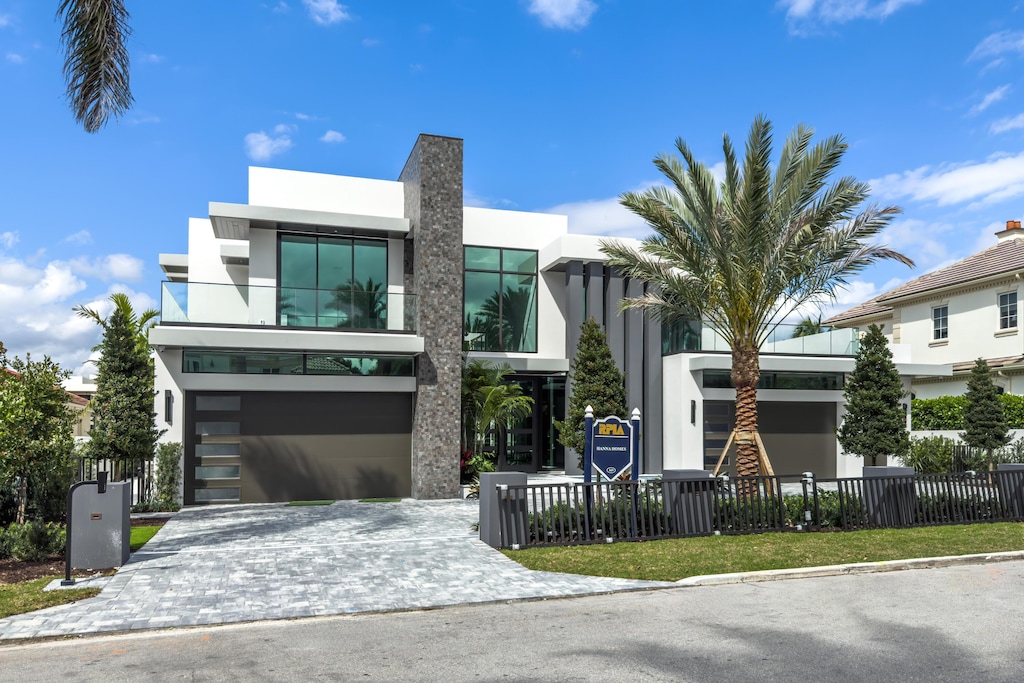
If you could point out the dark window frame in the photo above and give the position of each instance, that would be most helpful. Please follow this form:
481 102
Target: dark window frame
317 237
501 272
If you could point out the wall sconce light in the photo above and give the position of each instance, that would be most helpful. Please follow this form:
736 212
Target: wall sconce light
168 406
693 412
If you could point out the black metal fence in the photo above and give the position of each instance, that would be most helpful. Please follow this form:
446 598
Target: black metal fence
138 473
581 513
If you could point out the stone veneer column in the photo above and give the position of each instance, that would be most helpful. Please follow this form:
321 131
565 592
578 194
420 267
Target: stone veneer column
434 272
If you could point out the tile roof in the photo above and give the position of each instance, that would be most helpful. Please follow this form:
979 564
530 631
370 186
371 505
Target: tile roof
1003 258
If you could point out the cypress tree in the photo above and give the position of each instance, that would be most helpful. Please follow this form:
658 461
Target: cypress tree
984 421
123 405
596 382
875 423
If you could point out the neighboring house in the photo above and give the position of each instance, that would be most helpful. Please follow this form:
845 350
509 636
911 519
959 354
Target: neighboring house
82 389
79 406
311 342
955 315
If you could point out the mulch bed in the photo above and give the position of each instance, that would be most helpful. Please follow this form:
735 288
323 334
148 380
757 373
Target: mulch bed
13 571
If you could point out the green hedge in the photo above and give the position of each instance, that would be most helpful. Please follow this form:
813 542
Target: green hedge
947 412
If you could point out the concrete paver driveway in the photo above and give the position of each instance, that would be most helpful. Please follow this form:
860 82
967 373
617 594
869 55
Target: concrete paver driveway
237 563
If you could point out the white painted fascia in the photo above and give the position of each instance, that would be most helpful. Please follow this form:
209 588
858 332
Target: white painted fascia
233 221
845 364
236 253
173 336
586 248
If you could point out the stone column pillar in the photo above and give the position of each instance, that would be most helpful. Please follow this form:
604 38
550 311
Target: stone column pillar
434 264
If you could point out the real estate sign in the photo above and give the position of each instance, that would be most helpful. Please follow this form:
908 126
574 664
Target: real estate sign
611 446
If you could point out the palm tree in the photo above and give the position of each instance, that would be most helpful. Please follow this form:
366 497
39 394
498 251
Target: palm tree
96 63
807 327
139 324
489 401
363 305
743 255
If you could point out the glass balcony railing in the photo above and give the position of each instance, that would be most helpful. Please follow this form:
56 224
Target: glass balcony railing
692 336
341 309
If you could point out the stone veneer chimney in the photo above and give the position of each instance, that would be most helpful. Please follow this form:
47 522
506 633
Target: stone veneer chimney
433 272
1013 231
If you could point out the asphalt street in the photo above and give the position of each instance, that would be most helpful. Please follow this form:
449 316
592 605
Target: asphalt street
950 624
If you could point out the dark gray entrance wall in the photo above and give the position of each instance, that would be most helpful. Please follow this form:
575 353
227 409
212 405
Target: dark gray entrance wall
433 204
573 321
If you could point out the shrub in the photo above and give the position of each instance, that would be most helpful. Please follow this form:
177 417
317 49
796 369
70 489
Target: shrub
473 465
33 541
944 412
947 412
168 475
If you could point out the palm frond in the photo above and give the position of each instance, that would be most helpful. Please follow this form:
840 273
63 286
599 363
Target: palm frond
96 61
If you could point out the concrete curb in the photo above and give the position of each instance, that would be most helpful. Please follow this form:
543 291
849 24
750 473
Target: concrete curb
855 568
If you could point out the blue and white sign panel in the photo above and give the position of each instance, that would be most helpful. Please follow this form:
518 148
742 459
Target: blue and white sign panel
612 444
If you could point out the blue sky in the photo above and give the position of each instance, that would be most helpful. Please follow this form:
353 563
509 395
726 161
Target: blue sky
562 105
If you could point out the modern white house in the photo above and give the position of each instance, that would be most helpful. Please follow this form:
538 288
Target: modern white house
955 315
311 343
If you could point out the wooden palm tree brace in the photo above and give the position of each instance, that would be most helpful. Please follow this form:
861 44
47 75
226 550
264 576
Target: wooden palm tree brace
764 465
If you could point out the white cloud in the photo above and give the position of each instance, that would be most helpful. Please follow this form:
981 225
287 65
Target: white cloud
284 128
36 303
151 58
602 217
8 239
565 14
281 8
370 42
990 99
332 136
326 12
303 117
801 14
261 147
999 43
80 237
1008 123
107 268
998 178
924 242
15 58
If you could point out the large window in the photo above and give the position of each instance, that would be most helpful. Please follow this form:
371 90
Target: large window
800 381
940 322
281 363
1008 310
333 282
500 307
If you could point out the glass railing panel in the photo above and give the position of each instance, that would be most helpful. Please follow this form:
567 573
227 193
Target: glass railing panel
229 304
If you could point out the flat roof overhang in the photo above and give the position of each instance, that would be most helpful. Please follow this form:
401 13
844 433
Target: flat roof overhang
233 221
180 336
844 364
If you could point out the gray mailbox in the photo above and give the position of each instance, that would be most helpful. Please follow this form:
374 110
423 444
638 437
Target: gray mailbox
99 525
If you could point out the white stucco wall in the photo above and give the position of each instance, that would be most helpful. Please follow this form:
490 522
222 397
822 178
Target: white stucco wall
324 192
973 326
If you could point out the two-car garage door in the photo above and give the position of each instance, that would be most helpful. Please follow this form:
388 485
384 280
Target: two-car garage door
258 447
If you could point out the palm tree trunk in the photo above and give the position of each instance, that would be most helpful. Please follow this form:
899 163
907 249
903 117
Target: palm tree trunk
746 371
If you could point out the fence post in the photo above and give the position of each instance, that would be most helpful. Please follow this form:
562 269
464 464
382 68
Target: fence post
808 479
490 509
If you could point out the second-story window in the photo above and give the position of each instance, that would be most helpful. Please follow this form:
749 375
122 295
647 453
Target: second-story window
940 322
1008 310
332 282
500 306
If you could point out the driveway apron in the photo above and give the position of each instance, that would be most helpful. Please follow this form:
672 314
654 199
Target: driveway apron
227 564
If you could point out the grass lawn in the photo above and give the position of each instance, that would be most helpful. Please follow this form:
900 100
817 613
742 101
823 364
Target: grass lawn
28 596
674 559
141 535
